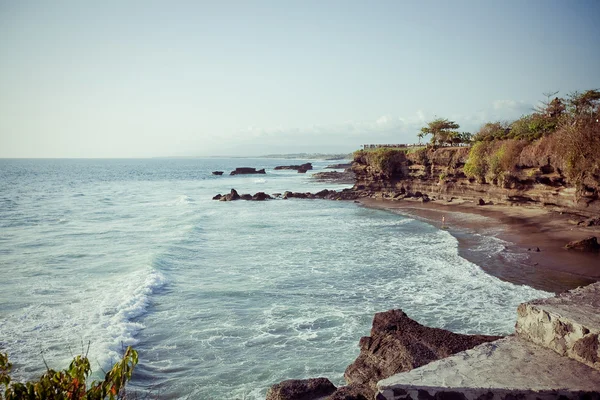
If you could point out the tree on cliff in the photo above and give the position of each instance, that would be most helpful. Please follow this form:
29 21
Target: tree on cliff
441 130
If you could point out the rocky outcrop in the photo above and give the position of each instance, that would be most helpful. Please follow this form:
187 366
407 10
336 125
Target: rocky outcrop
335 177
440 173
590 244
340 166
555 354
301 389
398 343
247 171
300 168
217 173
233 195
346 194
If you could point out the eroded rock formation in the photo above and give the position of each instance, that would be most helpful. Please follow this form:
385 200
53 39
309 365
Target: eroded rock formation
534 181
247 171
397 343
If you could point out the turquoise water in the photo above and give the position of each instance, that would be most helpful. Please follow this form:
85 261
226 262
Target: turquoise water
221 299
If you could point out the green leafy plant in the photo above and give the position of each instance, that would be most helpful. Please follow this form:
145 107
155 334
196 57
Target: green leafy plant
70 384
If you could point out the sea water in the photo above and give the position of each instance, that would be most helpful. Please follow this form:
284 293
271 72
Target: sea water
221 299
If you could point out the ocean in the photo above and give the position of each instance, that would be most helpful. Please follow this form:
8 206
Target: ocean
221 299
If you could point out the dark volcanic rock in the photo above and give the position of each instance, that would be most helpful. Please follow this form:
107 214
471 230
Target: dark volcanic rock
233 195
300 168
481 202
261 196
589 244
398 343
217 172
353 392
301 389
246 171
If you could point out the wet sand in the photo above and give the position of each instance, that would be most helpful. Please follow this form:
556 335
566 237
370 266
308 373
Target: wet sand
521 230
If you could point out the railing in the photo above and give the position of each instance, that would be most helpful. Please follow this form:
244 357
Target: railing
394 146
403 146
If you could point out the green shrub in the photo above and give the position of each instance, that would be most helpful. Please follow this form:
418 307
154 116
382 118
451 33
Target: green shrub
476 165
70 384
383 159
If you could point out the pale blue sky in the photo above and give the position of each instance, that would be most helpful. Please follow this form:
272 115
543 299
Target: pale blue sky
175 78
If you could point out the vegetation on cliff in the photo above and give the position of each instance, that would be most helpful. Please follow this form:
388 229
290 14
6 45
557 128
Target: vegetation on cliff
563 134
70 383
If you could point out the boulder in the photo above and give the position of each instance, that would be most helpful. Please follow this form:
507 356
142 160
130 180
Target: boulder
588 244
481 202
301 389
246 196
261 196
353 392
300 168
217 172
233 195
322 193
217 197
398 343
246 171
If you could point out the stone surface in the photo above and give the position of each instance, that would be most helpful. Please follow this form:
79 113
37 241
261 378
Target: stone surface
569 324
217 172
510 368
334 176
589 244
300 168
353 392
246 171
398 343
301 389
420 171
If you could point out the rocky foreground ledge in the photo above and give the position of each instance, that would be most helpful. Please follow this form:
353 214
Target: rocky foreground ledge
554 354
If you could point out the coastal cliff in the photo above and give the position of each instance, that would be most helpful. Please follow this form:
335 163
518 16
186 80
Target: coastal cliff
534 177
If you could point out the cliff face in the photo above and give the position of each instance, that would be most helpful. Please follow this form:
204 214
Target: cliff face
533 181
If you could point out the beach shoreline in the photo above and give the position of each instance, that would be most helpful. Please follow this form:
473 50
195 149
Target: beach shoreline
522 230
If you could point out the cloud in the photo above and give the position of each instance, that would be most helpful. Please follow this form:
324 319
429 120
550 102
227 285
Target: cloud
351 134
512 106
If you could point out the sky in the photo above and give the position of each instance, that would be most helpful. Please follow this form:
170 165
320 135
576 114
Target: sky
242 78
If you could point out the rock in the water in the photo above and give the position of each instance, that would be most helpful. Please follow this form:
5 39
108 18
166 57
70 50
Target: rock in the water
233 195
217 172
301 389
398 343
217 197
589 244
261 196
246 196
246 171
300 168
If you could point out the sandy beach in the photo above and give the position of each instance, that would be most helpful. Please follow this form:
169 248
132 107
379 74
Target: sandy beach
522 231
